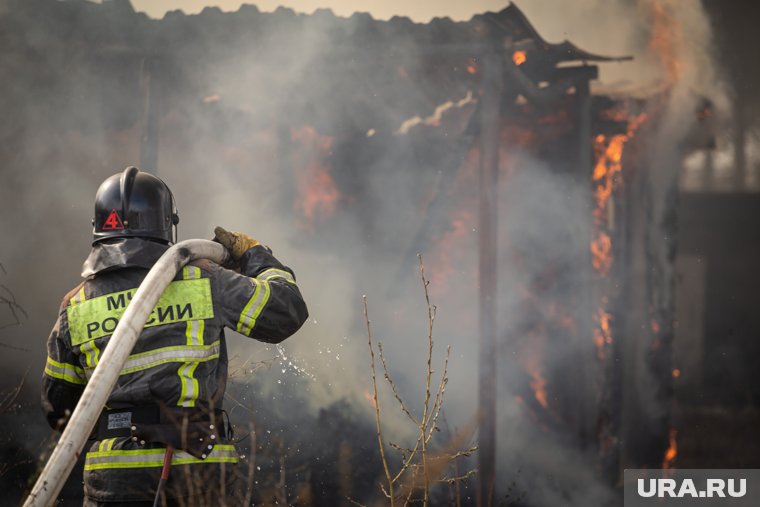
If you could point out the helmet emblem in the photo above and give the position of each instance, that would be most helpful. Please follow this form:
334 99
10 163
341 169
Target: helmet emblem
113 222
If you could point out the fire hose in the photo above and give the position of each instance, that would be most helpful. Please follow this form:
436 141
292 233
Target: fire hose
115 355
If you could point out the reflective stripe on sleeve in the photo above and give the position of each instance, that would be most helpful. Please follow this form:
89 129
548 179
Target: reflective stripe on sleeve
189 392
91 354
64 371
252 310
276 273
191 272
153 458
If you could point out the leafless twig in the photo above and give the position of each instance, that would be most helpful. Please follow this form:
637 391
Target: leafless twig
8 299
419 469
377 405
251 464
9 398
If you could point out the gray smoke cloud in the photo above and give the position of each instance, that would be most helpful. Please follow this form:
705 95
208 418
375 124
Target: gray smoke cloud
234 150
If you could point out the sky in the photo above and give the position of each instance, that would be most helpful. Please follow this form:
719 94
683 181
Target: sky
555 20
418 10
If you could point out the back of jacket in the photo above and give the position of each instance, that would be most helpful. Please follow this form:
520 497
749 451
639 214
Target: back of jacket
180 360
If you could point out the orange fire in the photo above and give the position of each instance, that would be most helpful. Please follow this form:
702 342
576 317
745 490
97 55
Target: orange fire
519 57
472 69
601 254
606 178
603 334
317 195
676 373
537 382
608 166
672 452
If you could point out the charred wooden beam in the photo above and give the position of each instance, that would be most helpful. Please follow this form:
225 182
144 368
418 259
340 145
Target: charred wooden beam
489 173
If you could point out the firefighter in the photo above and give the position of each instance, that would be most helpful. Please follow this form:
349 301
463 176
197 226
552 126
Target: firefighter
169 392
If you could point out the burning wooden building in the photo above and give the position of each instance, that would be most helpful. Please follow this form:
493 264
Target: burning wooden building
537 204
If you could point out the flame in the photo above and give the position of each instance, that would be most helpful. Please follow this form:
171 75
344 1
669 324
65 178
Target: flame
210 99
655 326
676 373
608 166
472 69
537 382
605 178
603 334
519 57
601 254
317 195
672 452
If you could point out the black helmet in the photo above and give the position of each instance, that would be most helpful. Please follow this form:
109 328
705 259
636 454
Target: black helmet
134 204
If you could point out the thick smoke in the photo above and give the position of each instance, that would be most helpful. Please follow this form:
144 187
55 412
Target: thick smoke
251 110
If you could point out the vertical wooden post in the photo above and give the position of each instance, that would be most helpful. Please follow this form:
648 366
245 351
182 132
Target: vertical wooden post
490 108
583 375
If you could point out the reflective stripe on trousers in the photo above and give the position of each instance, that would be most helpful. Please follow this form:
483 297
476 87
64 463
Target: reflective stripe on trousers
154 458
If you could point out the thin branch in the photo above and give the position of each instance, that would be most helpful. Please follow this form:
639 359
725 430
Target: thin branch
15 309
237 403
281 493
377 404
243 370
419 469
10 397
451 480
393 385
407 463
438 402
428 375
251 464
458 454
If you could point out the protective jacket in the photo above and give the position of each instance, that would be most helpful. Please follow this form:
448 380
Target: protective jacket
171 388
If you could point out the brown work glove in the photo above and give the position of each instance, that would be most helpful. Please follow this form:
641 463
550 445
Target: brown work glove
236 242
